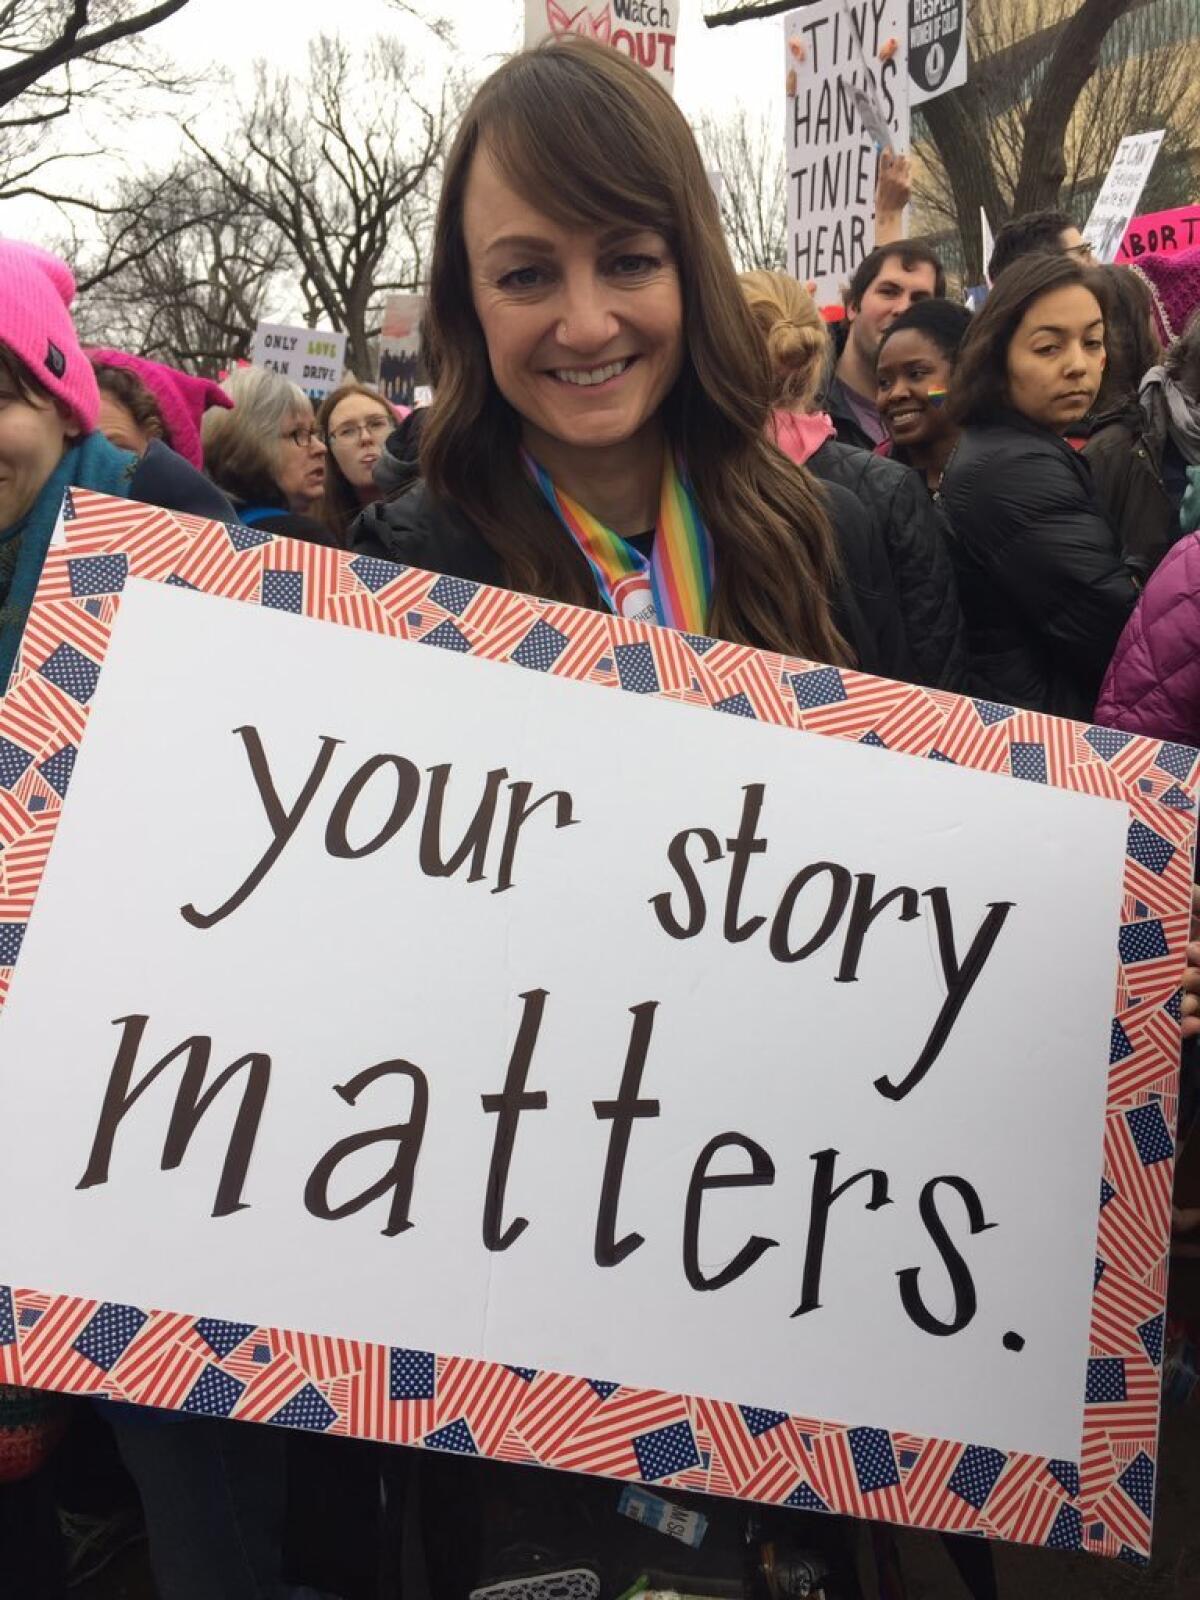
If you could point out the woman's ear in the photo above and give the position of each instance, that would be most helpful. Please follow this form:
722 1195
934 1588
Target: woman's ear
72 427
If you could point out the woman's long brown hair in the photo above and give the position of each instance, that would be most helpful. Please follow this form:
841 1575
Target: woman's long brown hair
592 140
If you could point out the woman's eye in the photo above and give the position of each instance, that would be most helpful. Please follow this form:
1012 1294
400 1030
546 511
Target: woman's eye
1094 344
633 266
1046 350
522 278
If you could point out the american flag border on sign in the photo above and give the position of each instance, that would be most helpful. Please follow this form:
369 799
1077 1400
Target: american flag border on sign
207 1366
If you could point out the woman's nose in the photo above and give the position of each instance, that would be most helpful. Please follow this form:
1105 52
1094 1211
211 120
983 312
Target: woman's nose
586 323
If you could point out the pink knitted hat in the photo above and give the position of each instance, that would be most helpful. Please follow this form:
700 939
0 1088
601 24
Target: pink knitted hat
181 399
36 290
1174 284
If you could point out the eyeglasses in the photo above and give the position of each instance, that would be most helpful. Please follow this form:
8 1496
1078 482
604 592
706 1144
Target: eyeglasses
375 427
303 438
1082 252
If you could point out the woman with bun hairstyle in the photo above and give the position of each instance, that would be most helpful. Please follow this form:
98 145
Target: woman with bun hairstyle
1045 586
904 523
598 428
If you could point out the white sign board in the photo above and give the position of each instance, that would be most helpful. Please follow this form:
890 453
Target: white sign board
644 30
1118 199
832 154
989 242
703 952
937 48
314 358
400 371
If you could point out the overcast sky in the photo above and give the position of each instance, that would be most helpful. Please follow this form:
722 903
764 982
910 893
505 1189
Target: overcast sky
717 70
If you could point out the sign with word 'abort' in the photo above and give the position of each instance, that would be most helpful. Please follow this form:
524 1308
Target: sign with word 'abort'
313 358
552 1037
1160 233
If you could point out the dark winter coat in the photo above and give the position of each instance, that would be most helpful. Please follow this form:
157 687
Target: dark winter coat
273 517
397 468
1127 473
915 536
418 532
1044 586
164 478
1153 684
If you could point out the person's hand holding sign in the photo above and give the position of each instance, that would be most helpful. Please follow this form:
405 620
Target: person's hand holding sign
893 191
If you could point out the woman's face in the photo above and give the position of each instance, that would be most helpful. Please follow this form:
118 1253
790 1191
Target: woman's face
357 428
300 462
584 327
119 426
1056 357
912 379
33 435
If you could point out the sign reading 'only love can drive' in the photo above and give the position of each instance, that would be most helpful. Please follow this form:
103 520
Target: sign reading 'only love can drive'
411 1034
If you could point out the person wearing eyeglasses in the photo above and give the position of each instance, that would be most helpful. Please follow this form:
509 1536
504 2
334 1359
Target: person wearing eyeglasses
1035 233
268 455
355 422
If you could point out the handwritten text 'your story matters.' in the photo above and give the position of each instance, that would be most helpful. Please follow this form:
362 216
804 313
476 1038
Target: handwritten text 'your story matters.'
825 905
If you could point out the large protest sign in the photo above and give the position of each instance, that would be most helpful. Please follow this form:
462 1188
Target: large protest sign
381 1057
400 370
1120 193
314 358
937 48
832 48
1161 233
644 30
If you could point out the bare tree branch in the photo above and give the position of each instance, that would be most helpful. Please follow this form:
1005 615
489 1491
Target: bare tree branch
342 167
68 41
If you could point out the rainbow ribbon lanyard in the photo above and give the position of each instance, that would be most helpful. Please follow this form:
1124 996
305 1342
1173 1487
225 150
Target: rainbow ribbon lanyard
672 588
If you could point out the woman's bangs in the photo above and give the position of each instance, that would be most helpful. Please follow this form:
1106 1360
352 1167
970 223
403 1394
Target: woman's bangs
578 174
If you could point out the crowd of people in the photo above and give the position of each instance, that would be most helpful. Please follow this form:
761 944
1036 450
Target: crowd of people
1003 504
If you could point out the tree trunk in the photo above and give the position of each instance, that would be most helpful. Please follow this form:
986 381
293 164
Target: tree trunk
1075 58
957 126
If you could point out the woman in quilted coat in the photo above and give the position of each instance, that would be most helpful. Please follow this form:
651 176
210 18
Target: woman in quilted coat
1153 684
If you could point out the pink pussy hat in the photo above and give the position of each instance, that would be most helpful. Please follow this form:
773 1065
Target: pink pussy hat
182 399
36 291
1174 283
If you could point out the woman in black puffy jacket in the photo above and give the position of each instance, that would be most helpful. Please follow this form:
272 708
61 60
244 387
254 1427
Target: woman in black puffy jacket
1044 585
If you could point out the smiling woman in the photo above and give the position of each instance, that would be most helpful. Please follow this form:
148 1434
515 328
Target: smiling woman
913 377
601 391
1044 587
49 408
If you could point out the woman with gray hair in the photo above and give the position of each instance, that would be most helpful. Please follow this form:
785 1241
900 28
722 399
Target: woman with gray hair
267 455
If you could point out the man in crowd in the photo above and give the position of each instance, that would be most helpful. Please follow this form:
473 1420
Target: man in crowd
886 283
1035 232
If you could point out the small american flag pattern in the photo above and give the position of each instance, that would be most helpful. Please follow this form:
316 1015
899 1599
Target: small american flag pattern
206 1366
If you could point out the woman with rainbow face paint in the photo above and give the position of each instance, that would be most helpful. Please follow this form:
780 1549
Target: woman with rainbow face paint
913 376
